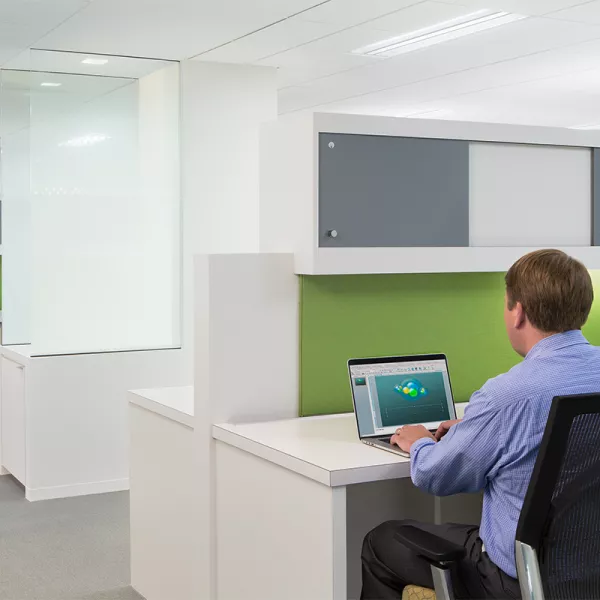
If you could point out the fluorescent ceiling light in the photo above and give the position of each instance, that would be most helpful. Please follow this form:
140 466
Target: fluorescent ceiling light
85 140
437 34
94 61
50 84
588 126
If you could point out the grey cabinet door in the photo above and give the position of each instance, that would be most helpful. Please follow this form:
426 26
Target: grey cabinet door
380 191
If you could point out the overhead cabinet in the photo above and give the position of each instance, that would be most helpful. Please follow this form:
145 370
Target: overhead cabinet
358 194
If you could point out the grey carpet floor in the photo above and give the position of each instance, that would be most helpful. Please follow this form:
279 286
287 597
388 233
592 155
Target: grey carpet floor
73 549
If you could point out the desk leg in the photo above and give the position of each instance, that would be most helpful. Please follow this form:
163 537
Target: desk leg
279 535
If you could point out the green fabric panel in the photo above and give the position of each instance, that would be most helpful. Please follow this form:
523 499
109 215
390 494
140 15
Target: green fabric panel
459 314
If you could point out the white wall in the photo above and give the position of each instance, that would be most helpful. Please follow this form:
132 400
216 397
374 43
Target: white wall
223 108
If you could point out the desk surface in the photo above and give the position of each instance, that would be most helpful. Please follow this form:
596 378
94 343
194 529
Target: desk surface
175 403
19 354
325 449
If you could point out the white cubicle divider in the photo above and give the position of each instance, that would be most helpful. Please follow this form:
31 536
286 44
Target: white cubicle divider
246 365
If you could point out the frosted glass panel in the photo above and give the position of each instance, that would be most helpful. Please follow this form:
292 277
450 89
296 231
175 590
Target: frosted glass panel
105 248
518 195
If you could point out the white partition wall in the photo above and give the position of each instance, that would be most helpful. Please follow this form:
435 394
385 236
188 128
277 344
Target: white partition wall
246 366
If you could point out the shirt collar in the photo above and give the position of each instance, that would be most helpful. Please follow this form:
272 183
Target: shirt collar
557 342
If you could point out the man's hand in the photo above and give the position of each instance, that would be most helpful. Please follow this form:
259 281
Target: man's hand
444 428
406 436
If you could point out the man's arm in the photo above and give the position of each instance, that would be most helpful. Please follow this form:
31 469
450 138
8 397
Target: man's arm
463 459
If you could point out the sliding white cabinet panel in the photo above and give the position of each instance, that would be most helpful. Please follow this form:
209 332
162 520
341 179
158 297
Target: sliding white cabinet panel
522 195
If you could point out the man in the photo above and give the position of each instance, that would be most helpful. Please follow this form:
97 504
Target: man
548 299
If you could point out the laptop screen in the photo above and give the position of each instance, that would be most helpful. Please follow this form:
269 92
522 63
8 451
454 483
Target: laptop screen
400 392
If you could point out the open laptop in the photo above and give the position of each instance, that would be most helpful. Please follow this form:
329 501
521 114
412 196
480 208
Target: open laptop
390 392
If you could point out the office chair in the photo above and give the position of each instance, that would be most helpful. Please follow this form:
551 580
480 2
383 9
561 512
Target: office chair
557 545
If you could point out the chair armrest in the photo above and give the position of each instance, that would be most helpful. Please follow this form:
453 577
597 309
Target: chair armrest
428 545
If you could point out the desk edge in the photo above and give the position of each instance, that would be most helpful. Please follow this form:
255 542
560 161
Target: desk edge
157 408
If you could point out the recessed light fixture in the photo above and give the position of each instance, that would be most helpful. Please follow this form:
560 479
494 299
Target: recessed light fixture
94 61
437 34
50 84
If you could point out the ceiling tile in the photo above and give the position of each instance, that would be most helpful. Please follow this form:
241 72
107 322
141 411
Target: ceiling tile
341 42
307 64
419 16
24 22
355 12
175 29
521 104
530 36
49 12
272 40
585 13
172 31
559 68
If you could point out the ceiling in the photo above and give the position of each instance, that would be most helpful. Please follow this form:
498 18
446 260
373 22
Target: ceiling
544 69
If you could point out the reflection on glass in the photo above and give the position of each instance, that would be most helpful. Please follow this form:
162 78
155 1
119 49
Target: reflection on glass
104 227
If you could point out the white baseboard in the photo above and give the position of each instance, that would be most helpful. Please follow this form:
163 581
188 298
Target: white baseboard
80 489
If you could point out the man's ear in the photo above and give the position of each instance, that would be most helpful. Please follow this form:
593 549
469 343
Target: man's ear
519 316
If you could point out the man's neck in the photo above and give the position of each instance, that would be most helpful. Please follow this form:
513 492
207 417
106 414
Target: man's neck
534 337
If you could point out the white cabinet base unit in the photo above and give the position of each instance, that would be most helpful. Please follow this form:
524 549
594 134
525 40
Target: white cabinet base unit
294 500
13 418
163 493
64 418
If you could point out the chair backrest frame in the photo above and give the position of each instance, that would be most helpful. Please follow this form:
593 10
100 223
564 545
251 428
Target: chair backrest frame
538 502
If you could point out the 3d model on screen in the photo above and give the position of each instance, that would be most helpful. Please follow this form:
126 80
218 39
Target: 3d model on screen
411 389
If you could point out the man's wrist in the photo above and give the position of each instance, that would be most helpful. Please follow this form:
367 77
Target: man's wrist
420 443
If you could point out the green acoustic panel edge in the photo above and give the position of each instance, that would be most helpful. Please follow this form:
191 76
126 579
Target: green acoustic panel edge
459 314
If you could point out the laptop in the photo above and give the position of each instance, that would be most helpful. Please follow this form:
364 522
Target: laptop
390 392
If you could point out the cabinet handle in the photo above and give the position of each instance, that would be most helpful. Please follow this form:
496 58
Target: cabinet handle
332 233
20 367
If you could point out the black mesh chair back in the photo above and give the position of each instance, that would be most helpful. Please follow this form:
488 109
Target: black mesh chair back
558 536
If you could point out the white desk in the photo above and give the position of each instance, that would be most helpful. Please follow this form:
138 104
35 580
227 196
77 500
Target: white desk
325 449
294 500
